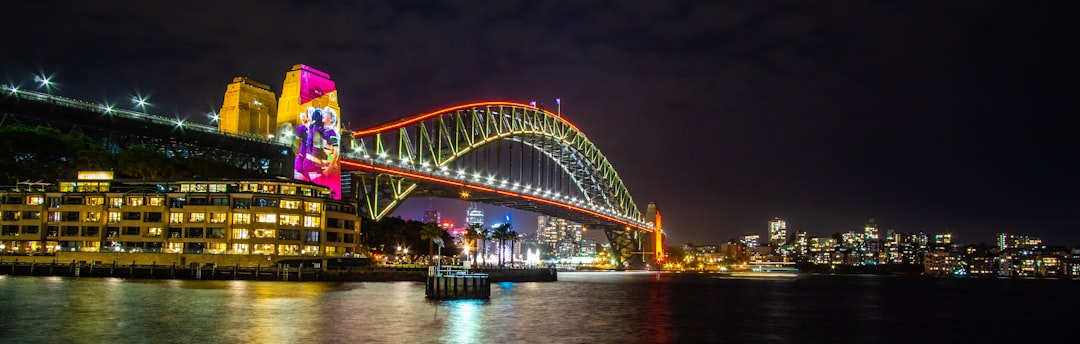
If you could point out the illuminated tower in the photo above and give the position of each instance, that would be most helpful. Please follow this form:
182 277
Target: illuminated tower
474 215
777 232
309 119
249 108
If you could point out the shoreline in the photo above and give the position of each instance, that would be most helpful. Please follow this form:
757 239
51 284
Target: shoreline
257 273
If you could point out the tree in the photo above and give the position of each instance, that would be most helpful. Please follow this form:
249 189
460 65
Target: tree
431 231
513 237
47 154
143 162
485 233
472 235
501 233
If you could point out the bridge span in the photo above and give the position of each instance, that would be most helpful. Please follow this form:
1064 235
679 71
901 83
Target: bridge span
502 153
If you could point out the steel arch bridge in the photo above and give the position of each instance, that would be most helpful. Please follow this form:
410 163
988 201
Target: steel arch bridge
509 154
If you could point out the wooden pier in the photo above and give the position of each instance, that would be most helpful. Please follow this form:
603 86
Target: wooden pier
450 283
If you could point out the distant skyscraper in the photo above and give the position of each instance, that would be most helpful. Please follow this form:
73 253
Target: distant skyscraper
561 236
474 215
871 230
249 108
432 216
777 232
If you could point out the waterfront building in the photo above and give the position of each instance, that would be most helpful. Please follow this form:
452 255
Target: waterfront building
560 236
939 263
238 217
777 231
587 248
1014 241
249 107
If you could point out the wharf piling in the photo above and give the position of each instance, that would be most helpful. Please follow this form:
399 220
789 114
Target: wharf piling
448 284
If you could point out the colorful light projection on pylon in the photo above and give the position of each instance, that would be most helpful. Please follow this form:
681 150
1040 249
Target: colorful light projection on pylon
309 113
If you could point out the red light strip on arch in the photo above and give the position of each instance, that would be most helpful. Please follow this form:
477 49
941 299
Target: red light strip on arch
455 108
487 189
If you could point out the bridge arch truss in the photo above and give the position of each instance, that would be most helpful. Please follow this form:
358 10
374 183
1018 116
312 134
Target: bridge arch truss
495 148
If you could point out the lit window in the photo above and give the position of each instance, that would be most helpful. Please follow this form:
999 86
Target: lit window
312 221
197 217
313 207
266 218
241 218
156 201
240 233
290 220
290 204
135 201
218 217
114 216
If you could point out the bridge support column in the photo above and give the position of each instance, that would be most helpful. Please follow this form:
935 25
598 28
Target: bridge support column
623 246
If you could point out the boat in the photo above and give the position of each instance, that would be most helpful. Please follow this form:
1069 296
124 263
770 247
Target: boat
768 269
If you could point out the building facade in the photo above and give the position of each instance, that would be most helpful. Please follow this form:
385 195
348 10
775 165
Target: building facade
777 231
241 217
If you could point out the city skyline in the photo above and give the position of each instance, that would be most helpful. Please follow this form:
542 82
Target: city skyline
943 117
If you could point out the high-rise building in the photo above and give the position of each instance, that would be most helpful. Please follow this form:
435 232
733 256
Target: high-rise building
561 236
474 215
249 108
777 232
870 231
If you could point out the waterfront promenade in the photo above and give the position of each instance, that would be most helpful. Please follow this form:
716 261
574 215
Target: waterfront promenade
280 270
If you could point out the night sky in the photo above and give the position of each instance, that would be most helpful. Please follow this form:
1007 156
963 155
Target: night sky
936 116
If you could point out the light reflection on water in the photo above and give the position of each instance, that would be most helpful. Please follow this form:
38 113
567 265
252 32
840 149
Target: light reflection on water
581 307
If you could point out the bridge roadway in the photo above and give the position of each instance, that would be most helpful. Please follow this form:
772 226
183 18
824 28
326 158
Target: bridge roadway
430 185
110 124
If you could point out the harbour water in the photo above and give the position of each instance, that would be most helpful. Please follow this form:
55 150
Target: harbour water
582 307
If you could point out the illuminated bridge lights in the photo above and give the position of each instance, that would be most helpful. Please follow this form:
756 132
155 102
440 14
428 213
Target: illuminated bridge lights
607 215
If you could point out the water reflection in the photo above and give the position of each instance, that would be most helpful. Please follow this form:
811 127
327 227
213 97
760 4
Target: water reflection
580 308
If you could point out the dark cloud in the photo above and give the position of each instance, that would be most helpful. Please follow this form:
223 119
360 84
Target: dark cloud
935 116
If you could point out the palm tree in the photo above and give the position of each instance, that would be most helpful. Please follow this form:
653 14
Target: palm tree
513 238
501 233
510 235
472 235
485 233
430 232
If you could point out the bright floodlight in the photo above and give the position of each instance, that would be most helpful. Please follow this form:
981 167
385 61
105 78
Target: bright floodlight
140 101
43 80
